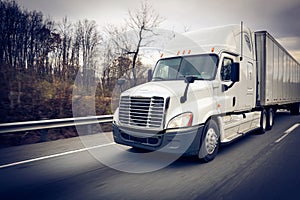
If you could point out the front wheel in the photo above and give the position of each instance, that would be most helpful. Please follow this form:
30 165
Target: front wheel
210 141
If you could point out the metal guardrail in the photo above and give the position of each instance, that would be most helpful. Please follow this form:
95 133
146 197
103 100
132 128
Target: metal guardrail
53 123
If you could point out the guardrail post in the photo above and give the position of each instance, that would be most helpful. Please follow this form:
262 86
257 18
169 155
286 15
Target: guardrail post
89 129
44 137
44 133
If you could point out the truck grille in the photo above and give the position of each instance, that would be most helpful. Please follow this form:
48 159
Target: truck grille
142 111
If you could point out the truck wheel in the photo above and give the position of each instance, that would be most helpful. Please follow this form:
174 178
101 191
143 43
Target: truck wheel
270 118
263 121
210 141
295 108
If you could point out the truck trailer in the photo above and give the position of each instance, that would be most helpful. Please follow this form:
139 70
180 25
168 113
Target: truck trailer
209 87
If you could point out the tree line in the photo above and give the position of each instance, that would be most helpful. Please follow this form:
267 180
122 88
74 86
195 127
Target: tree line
40 60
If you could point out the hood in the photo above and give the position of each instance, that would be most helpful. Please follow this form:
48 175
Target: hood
165 89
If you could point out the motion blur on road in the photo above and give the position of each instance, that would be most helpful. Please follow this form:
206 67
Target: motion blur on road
253 167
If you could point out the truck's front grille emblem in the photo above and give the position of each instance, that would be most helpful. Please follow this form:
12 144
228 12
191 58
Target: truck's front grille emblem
142 111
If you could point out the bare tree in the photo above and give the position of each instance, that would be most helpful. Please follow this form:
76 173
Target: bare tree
136 34
144 21
89 40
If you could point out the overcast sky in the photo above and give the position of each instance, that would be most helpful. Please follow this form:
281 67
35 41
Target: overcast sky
279 17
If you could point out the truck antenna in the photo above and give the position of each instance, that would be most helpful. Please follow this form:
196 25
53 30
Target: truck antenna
241 58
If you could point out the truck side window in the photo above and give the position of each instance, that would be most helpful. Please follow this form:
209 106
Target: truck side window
247 40
226 69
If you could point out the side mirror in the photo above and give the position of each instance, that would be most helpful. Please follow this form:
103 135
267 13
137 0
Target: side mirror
121 82
149 75
190 79
234 76
187 80
235 72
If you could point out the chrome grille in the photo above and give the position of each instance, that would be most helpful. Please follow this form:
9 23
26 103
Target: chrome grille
142 111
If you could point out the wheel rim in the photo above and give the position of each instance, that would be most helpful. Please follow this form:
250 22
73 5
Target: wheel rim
271 118
211 141
264 121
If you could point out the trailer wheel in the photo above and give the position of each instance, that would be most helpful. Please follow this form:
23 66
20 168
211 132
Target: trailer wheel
270 118
263 121
210 141
295 108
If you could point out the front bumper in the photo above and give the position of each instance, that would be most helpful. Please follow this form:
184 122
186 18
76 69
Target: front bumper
184 141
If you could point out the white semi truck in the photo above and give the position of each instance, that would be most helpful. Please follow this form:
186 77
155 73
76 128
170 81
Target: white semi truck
209 87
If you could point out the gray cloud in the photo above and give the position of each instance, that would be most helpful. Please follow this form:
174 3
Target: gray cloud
280 18
288 21
274 15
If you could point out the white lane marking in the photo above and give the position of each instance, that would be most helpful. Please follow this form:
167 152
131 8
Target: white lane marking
54 155
287 132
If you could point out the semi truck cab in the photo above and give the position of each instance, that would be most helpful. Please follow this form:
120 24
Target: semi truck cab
203 92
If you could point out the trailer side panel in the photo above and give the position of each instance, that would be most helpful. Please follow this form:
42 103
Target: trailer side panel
278 72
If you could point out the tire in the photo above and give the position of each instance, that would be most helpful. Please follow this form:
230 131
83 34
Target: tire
210 141
263 122
139 150
270 118
295 108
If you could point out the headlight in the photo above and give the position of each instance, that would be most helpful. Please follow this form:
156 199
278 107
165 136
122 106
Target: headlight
116 116
182 120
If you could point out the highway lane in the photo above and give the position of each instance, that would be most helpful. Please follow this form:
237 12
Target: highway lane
255 166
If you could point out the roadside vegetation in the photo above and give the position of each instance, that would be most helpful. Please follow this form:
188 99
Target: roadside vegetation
40 59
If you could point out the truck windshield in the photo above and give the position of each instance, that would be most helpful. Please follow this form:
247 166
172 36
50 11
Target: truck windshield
203 67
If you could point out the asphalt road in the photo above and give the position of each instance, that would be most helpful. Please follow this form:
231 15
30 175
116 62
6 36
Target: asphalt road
253 167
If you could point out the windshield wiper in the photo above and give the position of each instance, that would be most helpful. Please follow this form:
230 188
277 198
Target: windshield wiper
158 78
194 77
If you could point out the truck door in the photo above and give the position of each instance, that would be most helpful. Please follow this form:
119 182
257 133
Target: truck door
250 85
241 96
230 98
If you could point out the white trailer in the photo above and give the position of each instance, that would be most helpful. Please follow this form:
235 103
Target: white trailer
210 87
278 77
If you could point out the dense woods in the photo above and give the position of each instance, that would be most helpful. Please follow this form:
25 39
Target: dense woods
40 59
